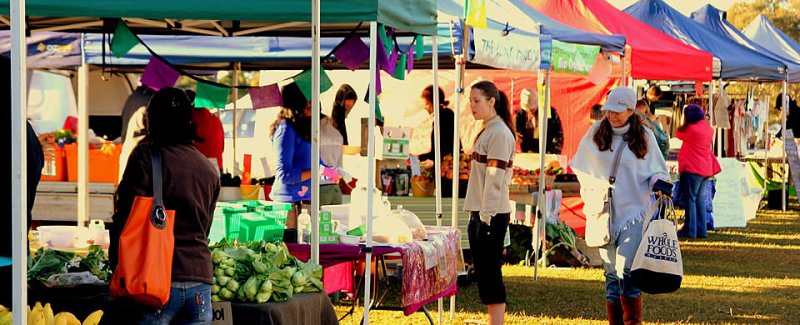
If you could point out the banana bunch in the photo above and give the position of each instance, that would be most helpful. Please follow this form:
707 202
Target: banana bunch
43 315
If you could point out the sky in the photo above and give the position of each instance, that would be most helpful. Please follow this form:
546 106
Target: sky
684 6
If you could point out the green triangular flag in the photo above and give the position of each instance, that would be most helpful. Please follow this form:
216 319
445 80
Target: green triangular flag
211 96
303 80
419 47
400 67
124 40
384 39
378 115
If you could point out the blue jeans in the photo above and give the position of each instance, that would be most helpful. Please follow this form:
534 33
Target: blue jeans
189 303
617 258
691 198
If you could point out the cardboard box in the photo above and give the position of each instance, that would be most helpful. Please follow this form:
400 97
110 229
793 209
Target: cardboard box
222 313
325 228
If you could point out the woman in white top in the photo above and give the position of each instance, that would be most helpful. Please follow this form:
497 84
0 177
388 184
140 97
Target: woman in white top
641 165
487 193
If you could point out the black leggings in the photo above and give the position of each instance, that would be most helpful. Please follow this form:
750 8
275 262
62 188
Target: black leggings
486 246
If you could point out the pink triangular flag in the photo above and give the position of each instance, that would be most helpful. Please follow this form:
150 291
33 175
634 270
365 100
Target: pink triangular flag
352 52
267 96
159 75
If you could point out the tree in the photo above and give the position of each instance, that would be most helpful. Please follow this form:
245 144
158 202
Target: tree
782 13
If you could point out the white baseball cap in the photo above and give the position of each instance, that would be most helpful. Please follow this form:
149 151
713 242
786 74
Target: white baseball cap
620 99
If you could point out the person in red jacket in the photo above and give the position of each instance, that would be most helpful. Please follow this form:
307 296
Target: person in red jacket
696 163
210 135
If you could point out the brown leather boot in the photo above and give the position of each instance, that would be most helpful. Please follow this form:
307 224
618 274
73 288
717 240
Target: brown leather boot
632 310
614 310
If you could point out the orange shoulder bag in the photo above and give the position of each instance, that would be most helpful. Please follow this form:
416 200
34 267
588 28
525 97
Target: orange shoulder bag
144 272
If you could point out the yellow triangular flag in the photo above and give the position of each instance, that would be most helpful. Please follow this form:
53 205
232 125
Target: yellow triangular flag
476 13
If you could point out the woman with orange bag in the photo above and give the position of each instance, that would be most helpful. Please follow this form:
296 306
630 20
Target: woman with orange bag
190 188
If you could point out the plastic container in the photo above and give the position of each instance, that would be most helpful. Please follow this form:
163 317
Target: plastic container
349 239
273 213
98 234
63 237
229 193
249 192
254 228
418 231
103 168
55 164
303 225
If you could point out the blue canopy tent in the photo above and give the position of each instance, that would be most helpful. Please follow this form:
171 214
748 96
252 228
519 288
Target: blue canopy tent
716 21
764 33
738 62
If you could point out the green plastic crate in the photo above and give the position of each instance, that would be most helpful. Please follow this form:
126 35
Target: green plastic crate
255 229
235 211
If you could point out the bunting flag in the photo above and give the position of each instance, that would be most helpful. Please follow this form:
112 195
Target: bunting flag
158 74
124 40
419 47
267 96
392 62
382 56
352 52
400 68
303 80
384 38
378 115
410 63
475 11
211 96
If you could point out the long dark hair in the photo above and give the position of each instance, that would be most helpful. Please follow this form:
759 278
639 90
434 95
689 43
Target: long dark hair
294 105
169 116
635 136
501 105
428 95
339 111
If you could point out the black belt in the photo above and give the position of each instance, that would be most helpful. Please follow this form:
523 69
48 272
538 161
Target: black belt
501 164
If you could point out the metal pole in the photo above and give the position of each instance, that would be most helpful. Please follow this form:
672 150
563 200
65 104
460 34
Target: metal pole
19 172
373 72
437 147
622 62
542 202
711 113
315 114
458 91
785 140
83 143
235 110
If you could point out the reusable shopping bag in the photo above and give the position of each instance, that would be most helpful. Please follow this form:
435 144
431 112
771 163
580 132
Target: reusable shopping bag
658 265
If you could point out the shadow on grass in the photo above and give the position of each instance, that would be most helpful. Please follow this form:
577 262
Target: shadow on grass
583 299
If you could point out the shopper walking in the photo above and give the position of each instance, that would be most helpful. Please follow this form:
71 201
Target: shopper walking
696 163
640 166
487 194
190 187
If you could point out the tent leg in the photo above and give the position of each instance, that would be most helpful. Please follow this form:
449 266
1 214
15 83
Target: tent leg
373 71
315 116
786 139
458 91
19 206
83 144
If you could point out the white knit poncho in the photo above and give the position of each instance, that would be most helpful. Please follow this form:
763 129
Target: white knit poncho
635 177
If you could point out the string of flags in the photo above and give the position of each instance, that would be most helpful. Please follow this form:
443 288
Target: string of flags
352 52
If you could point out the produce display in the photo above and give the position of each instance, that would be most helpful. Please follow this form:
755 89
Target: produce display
45 263
525 176
260 272
43 315
463 167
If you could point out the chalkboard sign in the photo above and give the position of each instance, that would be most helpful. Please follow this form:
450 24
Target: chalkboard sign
792 158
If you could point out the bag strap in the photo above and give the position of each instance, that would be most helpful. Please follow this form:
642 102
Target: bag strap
664 207
158 217
613 177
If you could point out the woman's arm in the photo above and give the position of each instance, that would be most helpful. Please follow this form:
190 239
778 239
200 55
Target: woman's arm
498 153
284 143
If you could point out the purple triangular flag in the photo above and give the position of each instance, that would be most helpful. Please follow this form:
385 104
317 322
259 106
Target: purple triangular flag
352 52
267 96
378 89
410 64
383 58
392 62
159 75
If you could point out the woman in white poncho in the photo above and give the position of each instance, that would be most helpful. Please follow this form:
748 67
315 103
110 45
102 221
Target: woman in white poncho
640 166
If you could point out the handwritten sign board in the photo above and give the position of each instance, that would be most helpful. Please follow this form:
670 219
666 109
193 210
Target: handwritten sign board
513 52
222 313
793 159
732 188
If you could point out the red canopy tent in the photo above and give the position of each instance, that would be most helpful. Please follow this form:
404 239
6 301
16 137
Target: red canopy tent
651 54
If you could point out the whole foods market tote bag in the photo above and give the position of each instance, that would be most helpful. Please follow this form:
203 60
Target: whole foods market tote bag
144 271
658 264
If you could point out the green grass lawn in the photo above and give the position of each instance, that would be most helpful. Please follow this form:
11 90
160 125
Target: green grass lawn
736 276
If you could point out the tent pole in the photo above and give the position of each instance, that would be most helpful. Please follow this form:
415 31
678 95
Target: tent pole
622 64
19 206
235 111
315 116
544 113
766 145
458 91
373 71
711 114
83 143
785 140
437 146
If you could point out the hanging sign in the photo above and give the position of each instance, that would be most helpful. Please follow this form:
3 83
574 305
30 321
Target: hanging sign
513 52
396 142
575 58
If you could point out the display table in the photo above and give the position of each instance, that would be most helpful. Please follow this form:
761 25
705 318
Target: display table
304 308
430 268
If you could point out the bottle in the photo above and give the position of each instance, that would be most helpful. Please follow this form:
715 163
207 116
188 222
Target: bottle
303 225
